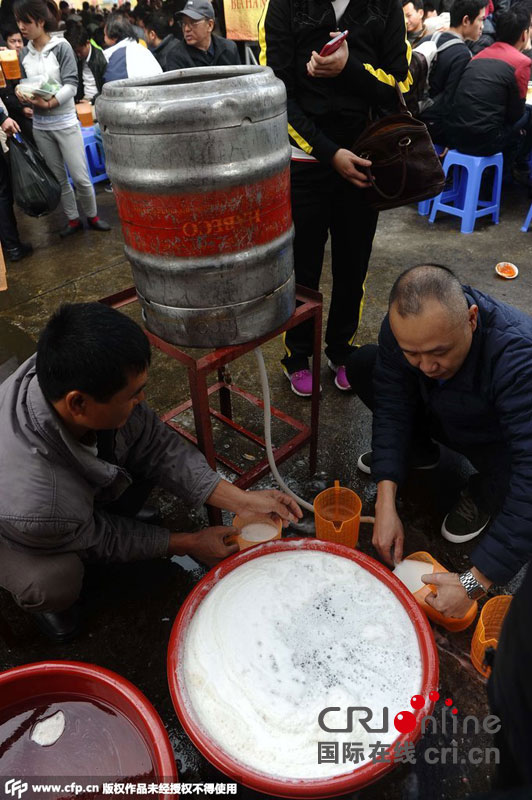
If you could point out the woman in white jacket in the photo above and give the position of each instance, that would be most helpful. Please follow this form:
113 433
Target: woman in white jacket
55 124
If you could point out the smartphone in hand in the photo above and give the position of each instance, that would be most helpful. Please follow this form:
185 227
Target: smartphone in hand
333 45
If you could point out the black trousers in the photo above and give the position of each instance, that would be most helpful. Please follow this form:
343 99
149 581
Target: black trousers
9 237
323 202
492 461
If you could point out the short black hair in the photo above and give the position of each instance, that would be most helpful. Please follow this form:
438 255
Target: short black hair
91 348
427 282
76 35
509 25
9 29
158 23
118 28
465 8
418 4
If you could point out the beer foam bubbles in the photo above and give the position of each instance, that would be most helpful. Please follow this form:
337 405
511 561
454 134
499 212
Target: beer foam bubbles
281 638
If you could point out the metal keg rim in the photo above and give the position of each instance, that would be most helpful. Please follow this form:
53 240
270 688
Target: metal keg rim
181 77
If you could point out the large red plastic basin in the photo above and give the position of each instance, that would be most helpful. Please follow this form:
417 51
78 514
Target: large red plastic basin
74 678
282 787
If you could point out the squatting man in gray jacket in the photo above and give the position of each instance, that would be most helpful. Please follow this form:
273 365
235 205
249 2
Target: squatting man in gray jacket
80 452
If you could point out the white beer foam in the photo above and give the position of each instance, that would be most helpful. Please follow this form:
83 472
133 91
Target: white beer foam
286 635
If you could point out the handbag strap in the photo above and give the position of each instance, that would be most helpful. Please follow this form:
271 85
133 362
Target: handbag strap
402 103
402 150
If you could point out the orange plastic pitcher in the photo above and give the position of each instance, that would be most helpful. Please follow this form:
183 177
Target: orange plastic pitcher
241 523
10 64
84 112
488 630
450 623
337 515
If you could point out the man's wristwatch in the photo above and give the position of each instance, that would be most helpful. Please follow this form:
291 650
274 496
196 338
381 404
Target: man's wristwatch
473 587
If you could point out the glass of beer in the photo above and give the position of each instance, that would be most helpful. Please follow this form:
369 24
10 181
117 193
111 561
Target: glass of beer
10 64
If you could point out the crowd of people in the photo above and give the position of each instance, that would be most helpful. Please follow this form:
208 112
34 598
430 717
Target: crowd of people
81 51
451 366
479 70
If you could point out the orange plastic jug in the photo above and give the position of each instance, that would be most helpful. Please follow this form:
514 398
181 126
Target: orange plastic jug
450 623
488 630
84 112
245 521
337 515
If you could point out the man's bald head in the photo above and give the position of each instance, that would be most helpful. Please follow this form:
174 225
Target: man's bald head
426 284
431 320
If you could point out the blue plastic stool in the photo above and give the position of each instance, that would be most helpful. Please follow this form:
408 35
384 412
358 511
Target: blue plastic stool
453 193
528 220
468 206
423 208
94 155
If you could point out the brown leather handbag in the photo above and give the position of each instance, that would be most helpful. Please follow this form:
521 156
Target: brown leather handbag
404 165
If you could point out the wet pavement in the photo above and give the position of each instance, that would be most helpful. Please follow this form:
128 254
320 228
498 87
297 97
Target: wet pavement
130 608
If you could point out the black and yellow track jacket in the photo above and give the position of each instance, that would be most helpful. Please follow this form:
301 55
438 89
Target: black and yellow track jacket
325 114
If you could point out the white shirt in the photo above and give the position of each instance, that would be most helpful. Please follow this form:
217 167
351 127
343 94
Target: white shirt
89 83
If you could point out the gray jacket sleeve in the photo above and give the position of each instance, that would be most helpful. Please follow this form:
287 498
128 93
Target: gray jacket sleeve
69 72
155 452
103 536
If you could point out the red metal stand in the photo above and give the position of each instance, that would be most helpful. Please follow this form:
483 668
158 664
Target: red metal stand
309 306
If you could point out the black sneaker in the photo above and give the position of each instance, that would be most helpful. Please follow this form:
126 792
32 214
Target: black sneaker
59 626
17 253
428 458
465 521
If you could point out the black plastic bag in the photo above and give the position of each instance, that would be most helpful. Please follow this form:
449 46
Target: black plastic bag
36 190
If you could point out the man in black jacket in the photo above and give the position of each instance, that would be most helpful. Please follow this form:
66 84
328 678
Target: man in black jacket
91 62
453 56
488 111
329 99
200 47
161 40
453 366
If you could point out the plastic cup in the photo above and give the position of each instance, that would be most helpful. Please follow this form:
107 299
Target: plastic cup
337 515
3 83
241 522
488 630
84 112
450 623
10 64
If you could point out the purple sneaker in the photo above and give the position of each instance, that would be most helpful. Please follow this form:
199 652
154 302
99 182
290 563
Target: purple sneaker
340 380
301 382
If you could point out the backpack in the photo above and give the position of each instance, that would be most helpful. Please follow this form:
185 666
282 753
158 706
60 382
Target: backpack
421 67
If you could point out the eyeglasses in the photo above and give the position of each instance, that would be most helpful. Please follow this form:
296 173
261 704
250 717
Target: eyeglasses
187 23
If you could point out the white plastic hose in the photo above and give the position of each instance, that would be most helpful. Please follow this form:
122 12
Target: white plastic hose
268 436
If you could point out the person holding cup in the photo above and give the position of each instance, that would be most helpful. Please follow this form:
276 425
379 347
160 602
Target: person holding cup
55 125
21 113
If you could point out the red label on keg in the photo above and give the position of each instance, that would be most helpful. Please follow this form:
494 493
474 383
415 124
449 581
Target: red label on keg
206 223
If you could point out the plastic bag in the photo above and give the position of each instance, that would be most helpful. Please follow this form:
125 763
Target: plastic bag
36 190
38 86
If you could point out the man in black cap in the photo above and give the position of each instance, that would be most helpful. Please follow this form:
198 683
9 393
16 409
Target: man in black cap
200 47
